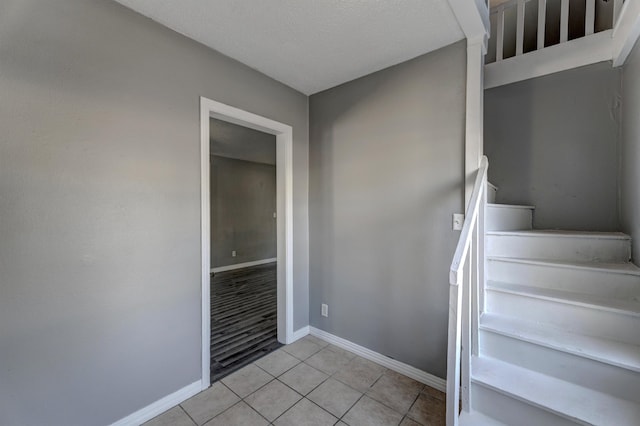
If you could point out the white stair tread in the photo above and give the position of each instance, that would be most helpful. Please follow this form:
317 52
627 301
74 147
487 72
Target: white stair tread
614 353
557 396
563 234
474 418
627 307
619 268
510 206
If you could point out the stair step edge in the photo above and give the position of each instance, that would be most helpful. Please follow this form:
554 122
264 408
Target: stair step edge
511 206
559 397
626 268
618 354
475 418
617 306
542 233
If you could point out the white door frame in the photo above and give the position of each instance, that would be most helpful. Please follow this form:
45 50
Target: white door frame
284 213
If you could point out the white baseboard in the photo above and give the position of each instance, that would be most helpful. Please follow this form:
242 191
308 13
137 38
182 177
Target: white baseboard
242 265
390 363
160 406
299 334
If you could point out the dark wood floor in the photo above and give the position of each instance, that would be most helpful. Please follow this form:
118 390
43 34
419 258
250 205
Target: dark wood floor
243 317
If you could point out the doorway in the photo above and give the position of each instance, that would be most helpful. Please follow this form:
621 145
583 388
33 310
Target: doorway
243 246
283 268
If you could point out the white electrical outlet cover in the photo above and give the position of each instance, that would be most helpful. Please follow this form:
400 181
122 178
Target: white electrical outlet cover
325 310
458 221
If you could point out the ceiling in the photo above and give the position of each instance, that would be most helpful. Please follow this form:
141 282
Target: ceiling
239 142
311 45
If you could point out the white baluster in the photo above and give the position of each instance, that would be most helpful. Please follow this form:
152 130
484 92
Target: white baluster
520 28
564 21
500 34
465 378
590 17
453 355
542 17
478 279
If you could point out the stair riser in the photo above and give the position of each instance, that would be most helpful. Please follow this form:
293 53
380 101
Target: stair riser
559 248
601 283
512 411
585 372
508 219
574 318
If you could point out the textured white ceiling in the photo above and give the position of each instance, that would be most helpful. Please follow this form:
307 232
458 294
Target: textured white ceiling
311 45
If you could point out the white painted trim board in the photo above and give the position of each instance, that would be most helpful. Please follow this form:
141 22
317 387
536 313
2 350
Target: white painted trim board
473 18
284 213
160 406
300 333
564 56
392 364
626 32
242 265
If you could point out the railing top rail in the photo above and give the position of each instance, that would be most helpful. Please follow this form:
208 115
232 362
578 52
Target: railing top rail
455 275
506 5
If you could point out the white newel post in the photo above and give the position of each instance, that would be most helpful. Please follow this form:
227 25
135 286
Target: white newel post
474 113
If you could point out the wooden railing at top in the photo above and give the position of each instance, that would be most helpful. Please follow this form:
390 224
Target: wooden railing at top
466 299
589 21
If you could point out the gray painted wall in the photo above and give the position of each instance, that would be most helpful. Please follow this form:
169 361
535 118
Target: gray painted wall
243 200
630 150
553 142
386 173
100 206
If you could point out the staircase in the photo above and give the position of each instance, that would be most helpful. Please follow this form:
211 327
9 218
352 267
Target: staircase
559 335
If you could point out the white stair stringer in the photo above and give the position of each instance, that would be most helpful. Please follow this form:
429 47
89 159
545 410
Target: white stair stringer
595 363
617 320
608 280
517 396
611 247
507 217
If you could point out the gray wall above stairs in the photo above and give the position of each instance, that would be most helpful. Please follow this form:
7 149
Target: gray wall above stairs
553 142
630 151
386 172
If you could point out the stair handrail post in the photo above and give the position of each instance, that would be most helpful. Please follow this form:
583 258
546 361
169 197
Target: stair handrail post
465 275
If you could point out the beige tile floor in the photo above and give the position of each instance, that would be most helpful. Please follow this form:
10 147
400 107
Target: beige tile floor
311 382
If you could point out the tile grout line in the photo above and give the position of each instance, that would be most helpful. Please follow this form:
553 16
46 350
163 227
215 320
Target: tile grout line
308 393
228 408
284 372
350 408
391 408
247 403
188 415
250 406
279 381
412 404
363 394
